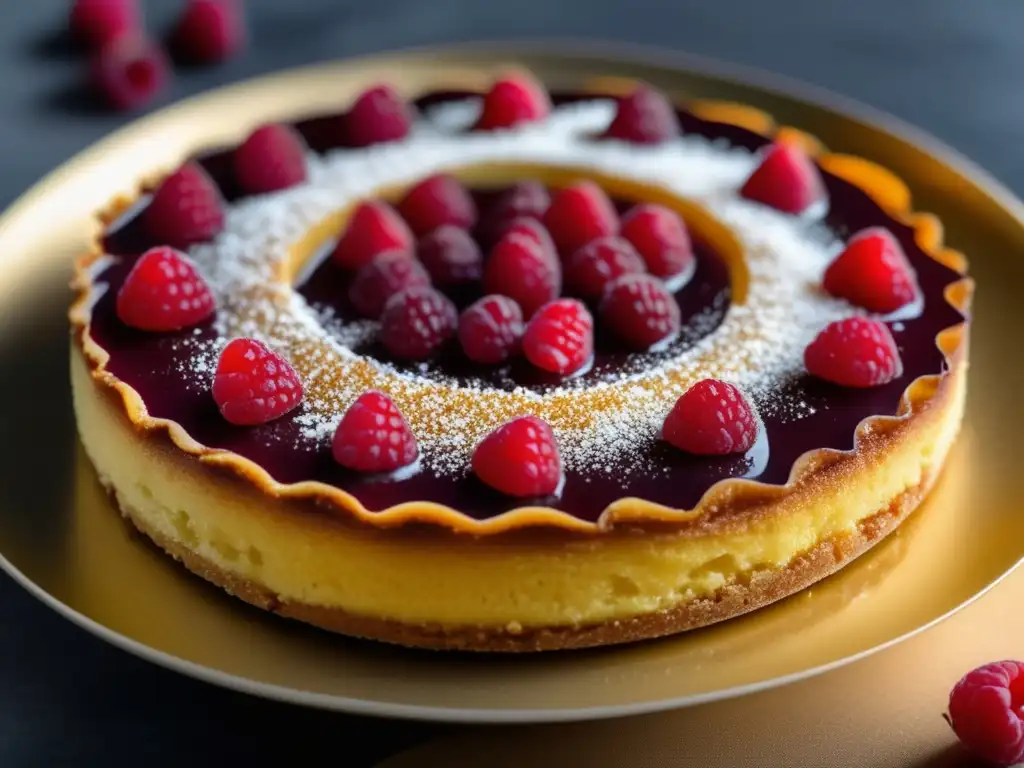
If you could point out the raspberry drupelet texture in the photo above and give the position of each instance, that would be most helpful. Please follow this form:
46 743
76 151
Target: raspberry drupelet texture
511 101
644 116
523 265
589 271
417 322
578 214
164 292
377 116
640 310
272 158
712 418
872 272
373 436
253 384
387 273
856 352
436 201
491 330
209 31
520 458
375 227
187 208
986 711
130 71
786 179
560 337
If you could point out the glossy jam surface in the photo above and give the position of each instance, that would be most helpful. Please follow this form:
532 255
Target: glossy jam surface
157 366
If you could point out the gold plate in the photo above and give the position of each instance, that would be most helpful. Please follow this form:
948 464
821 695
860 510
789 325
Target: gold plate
63 541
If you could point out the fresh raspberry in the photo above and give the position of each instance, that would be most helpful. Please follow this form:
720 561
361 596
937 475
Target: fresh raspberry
491 329
856 352
560 337
579 214
644 116
164 292
374 228
417 322
592 267
272 158
387 274
130 71
640 310
373 436
520 458
786 179
873 273
986 711
209 31
451 256
436 201
186 208
378 115
523 266
660 237
253 384
711 418
95 23
523 200
513 100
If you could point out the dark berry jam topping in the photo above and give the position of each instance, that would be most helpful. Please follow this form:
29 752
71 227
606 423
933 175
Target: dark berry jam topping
158 365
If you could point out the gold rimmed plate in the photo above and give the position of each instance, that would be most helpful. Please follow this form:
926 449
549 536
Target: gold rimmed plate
63 540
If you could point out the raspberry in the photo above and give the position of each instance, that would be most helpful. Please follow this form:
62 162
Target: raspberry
644 117
873 273
640 310
523 200
523 266
856 352
560 337
579 214
417 322
186 208
254 385
387 274
660 237
378 115
786 179
491 329
272 158
986 711
375 227
373 436
451 256
513 100
95 23
435 201
209 31
712 418
130 70
520 458
164 292
592 267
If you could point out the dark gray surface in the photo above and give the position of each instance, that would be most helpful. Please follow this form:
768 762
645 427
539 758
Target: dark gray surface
952 67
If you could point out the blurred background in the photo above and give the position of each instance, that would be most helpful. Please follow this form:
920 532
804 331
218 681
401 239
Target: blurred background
951 67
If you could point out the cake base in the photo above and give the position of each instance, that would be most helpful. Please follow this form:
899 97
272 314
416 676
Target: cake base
760 589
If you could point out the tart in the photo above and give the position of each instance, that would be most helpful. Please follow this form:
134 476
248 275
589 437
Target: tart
517 370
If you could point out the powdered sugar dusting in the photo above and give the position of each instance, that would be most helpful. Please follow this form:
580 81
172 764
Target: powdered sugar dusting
605 425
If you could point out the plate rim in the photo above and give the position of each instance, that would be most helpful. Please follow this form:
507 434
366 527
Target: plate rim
629 54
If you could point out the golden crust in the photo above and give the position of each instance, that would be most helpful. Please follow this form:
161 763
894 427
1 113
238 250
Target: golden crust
727 502
759 589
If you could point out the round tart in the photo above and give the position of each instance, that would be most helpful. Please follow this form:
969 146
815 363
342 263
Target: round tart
517 371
